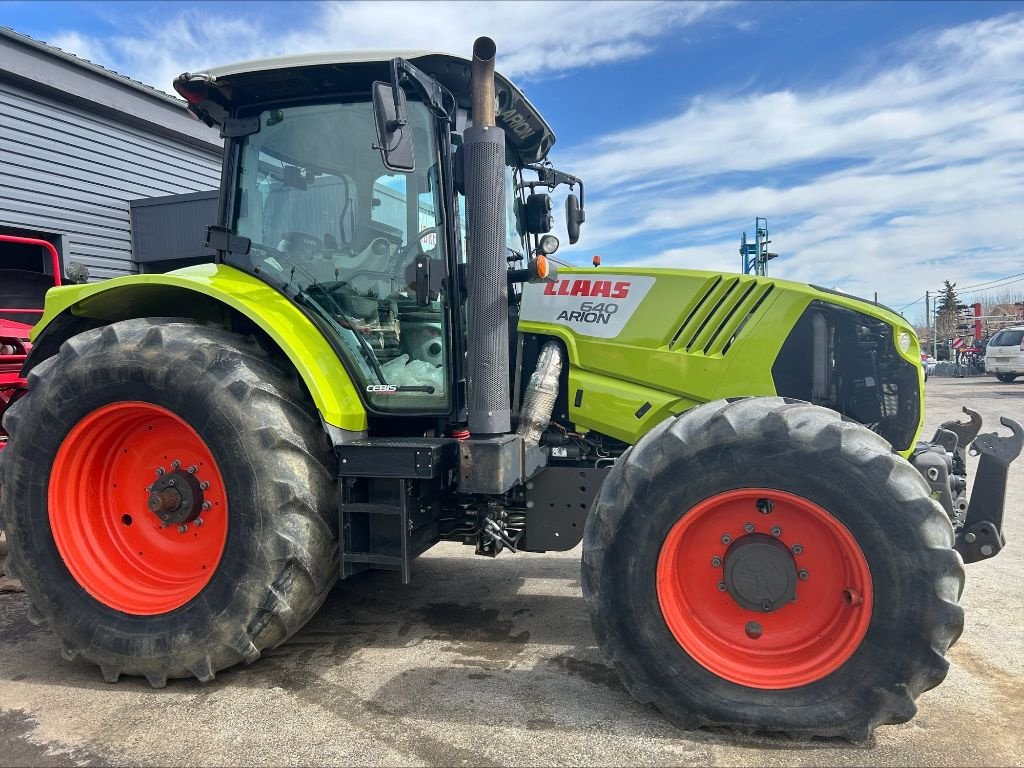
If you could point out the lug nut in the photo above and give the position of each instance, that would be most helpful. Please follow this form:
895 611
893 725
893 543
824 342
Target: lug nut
748 527
797 549
193 469
753 630
175 464
803 575
765 506
726 538
776 531
197 522
204 485
159 471
721 586
716 561
171 481
182 528
206 505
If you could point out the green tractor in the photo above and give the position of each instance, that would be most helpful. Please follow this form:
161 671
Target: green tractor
382 358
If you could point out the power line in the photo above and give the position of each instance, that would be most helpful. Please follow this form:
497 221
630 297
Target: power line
999 285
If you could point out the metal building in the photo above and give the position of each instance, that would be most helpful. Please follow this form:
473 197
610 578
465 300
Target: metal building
79 143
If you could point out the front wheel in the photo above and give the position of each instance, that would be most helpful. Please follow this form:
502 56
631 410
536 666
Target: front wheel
764 564
1006 378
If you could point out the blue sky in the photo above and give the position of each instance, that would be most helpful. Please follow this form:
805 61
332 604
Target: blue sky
884 142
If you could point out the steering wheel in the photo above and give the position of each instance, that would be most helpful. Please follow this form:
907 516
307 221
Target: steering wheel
414 246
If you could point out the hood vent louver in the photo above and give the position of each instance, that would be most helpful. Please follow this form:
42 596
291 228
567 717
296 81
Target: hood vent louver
715 320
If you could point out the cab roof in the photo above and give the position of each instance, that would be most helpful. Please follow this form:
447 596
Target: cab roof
216 93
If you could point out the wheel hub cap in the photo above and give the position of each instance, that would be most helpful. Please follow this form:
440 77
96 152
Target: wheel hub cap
760 573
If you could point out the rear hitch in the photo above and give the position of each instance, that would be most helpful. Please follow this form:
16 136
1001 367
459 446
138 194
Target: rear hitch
981 535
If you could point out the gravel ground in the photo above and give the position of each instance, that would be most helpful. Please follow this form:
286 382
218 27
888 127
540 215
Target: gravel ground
485 662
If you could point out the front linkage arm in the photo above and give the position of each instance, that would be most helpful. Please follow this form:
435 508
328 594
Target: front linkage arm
981 535
943 464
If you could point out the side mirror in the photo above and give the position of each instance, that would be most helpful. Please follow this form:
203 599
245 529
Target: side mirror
394 134
574 216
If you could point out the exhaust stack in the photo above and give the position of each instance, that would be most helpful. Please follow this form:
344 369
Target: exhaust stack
489 399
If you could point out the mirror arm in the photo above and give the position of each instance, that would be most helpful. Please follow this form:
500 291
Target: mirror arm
401 119
551 177
431 90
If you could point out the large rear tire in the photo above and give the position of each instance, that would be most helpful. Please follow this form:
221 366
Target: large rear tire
765 565
168 500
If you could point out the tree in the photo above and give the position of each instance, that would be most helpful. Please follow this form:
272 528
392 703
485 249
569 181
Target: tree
946 311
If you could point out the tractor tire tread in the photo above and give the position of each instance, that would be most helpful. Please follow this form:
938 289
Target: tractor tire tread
727 424
300 546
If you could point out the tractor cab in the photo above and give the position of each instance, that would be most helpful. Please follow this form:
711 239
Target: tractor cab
342 192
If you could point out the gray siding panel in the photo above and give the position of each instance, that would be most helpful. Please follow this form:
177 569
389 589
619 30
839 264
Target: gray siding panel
67 172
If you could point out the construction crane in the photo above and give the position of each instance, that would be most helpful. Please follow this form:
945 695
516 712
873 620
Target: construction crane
754 256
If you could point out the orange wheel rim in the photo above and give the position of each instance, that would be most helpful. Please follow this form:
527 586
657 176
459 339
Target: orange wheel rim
764 588
138 508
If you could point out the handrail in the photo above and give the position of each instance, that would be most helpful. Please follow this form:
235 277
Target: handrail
54 257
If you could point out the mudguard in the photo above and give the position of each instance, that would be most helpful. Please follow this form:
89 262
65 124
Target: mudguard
207 292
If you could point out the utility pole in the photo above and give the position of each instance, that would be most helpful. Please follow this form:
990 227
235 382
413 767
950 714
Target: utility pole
928 318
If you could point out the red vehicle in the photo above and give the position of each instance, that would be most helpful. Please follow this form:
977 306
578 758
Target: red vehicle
21 303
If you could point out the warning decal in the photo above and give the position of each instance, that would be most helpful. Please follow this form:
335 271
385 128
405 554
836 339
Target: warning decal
591 306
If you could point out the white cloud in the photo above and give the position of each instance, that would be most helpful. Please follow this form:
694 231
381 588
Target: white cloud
892 182
534 38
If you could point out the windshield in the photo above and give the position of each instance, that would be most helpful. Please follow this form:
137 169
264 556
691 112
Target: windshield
1007 339
347 238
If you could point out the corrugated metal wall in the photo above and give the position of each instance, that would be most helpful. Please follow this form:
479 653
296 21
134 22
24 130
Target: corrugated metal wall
64 171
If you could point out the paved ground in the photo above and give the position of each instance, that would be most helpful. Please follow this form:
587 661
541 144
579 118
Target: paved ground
491 662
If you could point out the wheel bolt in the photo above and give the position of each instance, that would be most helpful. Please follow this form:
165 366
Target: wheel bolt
803 575
797 549
716 561
726 538
206 505
765 506
193 469
182 528
197 522
171 481
721 586
204 485
776 531
159 471
175 464
748 527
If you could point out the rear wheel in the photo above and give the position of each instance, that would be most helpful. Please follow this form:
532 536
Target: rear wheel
765 565
1006 377
168 500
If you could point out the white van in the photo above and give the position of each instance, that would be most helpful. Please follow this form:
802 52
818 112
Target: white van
1005 354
